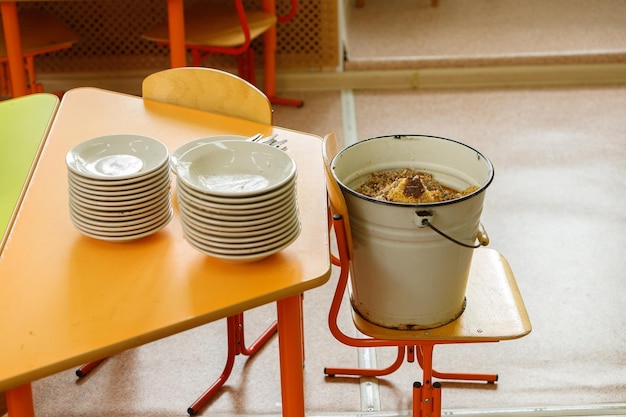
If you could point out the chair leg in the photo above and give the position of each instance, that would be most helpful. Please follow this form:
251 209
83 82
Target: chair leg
489 378
245 64
369 372
426 395
236 346
88 367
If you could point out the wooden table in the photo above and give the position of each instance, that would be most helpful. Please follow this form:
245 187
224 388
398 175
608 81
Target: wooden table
178 54
69 299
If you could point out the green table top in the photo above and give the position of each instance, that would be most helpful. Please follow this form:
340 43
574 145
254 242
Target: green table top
24 124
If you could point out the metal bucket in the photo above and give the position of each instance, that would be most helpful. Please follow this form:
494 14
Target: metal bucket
410 262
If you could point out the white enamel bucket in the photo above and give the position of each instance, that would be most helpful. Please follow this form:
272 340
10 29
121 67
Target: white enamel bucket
411 262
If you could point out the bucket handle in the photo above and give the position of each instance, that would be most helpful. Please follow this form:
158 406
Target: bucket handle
481 235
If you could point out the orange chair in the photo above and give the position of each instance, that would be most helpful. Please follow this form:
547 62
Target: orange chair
217 29
41 33
495 311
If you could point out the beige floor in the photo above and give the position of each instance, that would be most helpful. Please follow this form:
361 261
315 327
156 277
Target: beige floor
555 210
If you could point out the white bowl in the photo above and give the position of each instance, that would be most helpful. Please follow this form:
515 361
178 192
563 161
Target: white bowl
125 195
238 202
124 236
236 215
235 168
116 157
112 189
248 256
180 151
233 229
123 216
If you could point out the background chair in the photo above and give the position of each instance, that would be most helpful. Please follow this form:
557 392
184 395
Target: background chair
220 92
217 29
41 32
495 307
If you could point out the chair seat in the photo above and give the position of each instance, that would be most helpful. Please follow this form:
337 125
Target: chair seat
495 310
217 26
41 32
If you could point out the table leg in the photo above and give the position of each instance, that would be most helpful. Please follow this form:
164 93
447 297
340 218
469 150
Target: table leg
20 401
290 336
269 56
13 42
176 22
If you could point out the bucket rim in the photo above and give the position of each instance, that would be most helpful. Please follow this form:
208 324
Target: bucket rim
481 189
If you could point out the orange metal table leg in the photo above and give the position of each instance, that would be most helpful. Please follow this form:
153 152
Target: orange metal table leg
269 55
236 346
20 401
290 336
13 41
176 22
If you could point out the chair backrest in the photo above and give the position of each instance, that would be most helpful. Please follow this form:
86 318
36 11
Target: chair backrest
330 148
24 123
211 90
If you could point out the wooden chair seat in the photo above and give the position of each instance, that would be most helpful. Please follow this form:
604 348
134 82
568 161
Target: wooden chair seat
208 25
494 310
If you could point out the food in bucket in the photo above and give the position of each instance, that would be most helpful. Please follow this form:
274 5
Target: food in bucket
409 186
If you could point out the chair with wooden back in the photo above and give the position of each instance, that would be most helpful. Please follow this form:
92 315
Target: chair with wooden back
210 90
41 33
214 28
495 311
214 91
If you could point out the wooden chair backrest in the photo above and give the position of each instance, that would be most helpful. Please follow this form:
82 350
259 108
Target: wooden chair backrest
330 148
210 90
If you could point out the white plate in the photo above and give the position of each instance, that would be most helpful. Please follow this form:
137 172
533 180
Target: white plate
245 258
124 184
283 215
88 201
123 208
235 168
151 189
265 238
239 215
117 157
107 224
123 213
175 156
243 232
125 237
117 190
121 230
234 201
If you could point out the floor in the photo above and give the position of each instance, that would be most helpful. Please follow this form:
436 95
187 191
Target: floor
555 210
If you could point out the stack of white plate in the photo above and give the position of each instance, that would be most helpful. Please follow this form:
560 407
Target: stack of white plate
237 199
119 187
